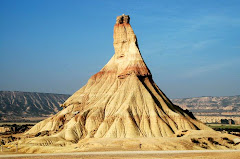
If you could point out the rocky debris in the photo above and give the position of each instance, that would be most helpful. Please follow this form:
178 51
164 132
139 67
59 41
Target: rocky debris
43 133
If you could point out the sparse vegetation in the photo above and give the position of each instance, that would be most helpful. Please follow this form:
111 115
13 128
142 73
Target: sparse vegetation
16 128
210 139
224 126
204 146
195 141
231 129
180 135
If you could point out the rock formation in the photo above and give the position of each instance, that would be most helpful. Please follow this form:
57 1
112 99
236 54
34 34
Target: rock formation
120 101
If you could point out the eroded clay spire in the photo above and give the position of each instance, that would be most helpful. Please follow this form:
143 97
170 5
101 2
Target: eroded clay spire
123 19
120 101
127 53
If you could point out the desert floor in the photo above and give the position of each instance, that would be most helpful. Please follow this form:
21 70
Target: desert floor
196 154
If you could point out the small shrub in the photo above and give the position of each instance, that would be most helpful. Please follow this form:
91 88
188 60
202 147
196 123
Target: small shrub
204 146
210 139
230 142
216 143
195 141
180 135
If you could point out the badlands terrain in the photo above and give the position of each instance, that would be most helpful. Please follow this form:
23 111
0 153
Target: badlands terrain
20 106
121 108
33 106
212 109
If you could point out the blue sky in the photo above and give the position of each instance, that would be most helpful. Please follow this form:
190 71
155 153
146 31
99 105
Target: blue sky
192 47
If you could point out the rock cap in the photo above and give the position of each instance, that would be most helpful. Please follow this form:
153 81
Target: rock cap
123 19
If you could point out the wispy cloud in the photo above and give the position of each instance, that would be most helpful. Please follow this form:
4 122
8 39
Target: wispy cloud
212 20
178 47
203 43
188 35
209 68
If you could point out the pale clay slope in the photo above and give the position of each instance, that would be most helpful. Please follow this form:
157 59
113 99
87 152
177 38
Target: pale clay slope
120 101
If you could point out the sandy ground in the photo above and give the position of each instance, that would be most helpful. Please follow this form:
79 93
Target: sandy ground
214 154
190 140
